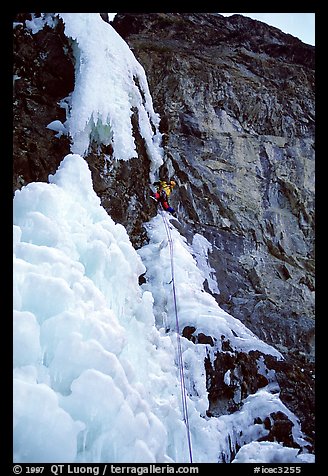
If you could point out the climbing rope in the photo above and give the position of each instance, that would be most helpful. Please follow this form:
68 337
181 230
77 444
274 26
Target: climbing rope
180 359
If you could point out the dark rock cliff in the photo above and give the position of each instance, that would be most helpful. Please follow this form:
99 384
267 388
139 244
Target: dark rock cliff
42 76
236 100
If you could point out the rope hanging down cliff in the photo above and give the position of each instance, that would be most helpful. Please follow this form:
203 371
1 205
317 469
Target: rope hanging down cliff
180 359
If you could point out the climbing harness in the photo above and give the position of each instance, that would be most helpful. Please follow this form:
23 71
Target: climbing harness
180 359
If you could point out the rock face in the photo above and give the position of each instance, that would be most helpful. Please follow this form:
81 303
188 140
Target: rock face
43 75
236 100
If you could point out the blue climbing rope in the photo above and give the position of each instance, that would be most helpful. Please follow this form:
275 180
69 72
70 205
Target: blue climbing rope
180 359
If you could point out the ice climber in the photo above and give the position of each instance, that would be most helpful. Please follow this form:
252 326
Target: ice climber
162 194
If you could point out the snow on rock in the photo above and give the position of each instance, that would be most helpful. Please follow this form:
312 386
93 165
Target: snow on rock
270 452
195 306
109 84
